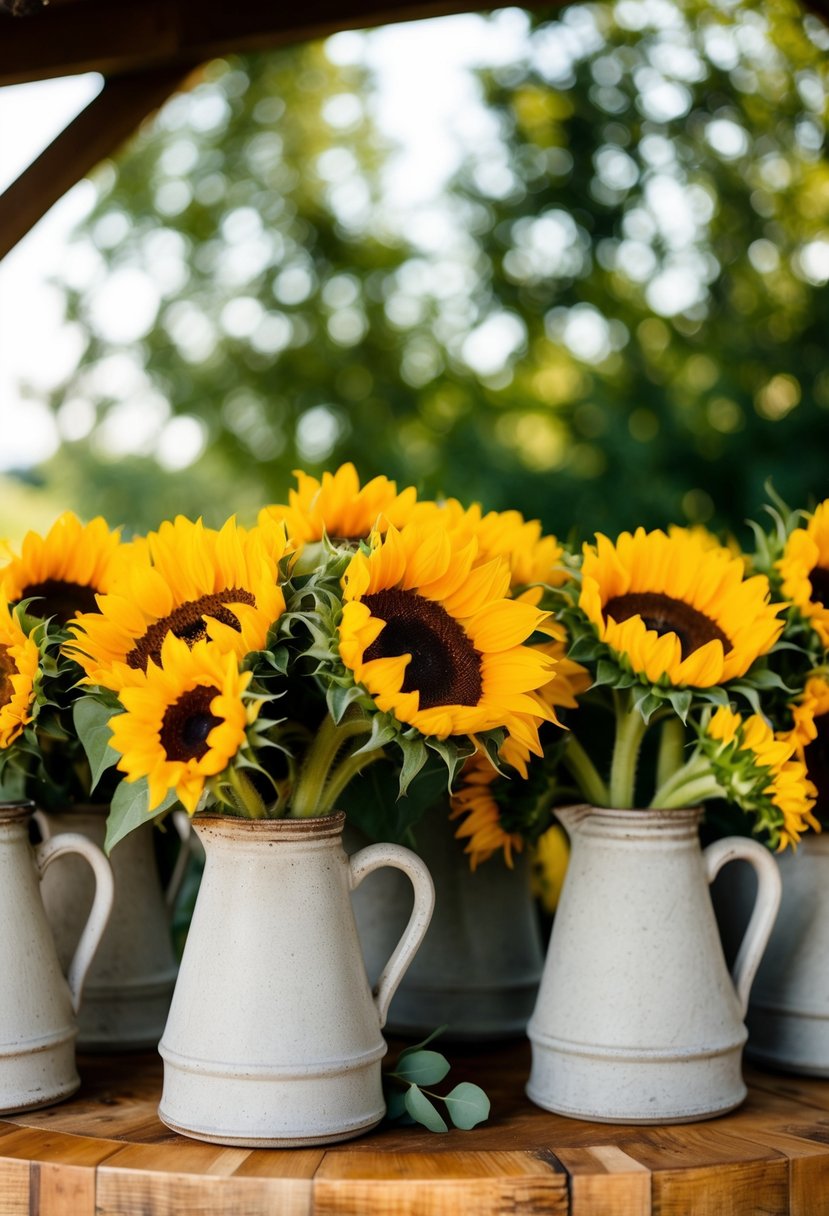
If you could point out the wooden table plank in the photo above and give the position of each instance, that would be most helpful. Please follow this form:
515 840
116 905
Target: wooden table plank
105 1153
603 1178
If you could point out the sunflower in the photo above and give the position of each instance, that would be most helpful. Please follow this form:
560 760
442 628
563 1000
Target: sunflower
188 580
533 557
435 641
337 507
63 571
804 570
184 720
810 736
756 768
474 802
676 607
19 667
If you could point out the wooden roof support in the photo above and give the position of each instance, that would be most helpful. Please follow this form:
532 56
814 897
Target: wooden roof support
96 132
73 36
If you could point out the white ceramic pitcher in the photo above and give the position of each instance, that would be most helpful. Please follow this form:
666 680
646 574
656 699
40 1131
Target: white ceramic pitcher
37 1003
273 1036
788 1015
130 983
479 967
637 1018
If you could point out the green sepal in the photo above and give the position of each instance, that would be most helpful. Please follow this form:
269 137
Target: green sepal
681 699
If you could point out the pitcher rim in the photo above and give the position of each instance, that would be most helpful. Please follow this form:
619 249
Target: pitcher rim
314 827
15 809
633 815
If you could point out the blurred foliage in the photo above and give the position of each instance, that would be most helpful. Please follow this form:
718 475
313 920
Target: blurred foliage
624 320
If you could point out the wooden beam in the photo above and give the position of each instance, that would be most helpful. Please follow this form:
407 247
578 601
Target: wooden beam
96 132
99 36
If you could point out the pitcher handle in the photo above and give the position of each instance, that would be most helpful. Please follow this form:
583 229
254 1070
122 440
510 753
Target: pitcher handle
374 857
45 854
766 905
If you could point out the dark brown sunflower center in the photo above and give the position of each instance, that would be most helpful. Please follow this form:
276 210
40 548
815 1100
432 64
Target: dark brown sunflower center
816 756
445 667
8 668
188 622
666 615
187 723
59 599
819 578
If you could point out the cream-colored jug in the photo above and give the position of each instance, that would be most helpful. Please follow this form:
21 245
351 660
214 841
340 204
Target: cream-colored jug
788 1015
38 1003
129 987
637 1018
273 1036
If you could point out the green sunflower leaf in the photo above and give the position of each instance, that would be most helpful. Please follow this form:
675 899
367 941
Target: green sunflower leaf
128 811
422 1067
92 723
468 1105
423 1111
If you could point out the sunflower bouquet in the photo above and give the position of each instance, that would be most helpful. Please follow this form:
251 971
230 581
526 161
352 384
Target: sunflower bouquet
679 645
42 589
794 554
270 671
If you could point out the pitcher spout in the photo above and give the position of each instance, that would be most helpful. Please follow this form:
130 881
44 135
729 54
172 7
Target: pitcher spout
572 817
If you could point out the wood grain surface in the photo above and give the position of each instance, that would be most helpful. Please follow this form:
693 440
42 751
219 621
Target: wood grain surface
105 1153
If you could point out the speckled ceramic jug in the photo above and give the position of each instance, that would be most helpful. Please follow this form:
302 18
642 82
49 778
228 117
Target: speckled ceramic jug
637 1018
788 1015
130 983
478 970
37 1003
273 1036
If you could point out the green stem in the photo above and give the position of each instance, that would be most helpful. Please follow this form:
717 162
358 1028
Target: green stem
671 750
693 792
343 773
318 762
583 770
248 801
630 730
695 767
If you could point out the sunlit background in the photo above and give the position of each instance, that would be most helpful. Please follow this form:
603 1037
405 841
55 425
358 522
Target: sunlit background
572 261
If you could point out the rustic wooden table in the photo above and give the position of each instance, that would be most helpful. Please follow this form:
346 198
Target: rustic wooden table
105 1153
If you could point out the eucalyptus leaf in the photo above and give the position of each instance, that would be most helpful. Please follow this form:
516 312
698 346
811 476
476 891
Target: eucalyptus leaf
396 1104
423 1111
92 724
128 811
468 1105
430 1038
422 1067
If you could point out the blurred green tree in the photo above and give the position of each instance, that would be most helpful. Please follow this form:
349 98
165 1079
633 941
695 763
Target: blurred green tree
624 323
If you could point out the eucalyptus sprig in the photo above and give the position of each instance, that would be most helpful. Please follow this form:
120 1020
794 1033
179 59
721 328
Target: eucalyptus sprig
408 1102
